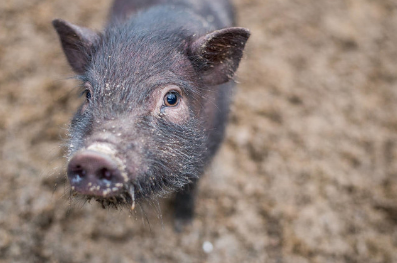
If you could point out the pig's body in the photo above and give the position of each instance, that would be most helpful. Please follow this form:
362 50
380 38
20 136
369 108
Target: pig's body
158 88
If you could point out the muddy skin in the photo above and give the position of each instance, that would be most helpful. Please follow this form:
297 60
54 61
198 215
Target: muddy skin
157 83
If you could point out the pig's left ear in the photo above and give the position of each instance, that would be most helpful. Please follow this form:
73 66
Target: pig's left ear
77 43
217 55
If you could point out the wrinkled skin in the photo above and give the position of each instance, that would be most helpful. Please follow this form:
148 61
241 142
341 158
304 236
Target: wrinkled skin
158 86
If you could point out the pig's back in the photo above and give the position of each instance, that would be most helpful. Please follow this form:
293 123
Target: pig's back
219 13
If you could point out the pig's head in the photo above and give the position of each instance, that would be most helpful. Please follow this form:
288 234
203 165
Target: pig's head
141 130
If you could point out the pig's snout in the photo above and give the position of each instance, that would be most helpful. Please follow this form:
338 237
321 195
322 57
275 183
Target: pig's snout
94 173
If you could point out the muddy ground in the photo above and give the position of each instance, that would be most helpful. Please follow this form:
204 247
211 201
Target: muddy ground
307 172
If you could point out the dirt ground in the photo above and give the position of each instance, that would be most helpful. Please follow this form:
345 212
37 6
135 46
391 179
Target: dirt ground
307 173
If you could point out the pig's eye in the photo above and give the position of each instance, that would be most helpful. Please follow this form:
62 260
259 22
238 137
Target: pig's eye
87 94
171 99
87 91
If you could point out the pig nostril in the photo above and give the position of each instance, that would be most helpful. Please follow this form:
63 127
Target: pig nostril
80 171
105 174
78 176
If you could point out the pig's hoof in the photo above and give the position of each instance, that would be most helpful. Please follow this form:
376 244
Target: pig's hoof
180 224
184 212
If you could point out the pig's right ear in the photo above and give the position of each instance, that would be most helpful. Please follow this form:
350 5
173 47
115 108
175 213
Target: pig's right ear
217 55
77 43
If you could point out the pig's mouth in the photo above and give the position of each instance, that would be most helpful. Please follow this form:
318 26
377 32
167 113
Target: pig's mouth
125 197
97 172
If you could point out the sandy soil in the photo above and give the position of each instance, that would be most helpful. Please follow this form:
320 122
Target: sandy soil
307 172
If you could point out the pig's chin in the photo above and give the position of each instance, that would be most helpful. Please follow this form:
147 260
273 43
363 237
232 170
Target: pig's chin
123 198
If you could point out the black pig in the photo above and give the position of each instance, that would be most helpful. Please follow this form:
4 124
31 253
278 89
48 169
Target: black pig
157 84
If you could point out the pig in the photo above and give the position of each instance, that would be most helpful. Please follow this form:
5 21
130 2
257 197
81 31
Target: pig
157 83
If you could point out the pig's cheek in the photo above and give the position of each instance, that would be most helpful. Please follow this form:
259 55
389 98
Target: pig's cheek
177 115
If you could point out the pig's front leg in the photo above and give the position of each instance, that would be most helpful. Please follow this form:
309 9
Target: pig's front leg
184 205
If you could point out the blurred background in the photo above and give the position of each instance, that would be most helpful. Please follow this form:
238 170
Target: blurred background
307 172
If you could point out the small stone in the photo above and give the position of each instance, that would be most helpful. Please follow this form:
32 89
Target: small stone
207 247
